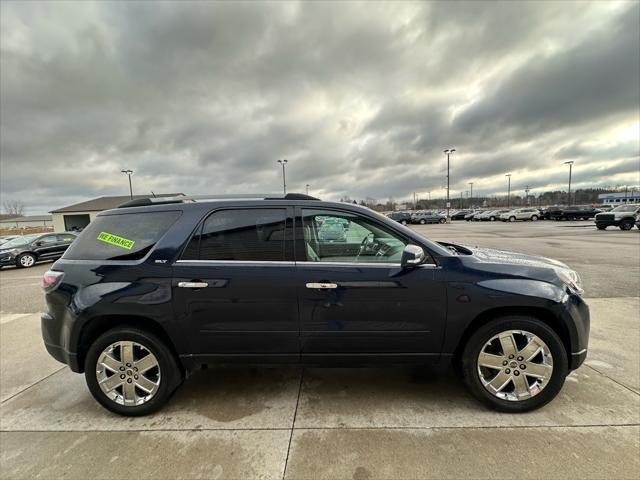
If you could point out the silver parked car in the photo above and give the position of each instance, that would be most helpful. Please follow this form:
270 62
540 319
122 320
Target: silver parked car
528 213
490 215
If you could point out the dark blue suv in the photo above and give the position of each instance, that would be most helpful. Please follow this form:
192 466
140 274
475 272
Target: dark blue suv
160 287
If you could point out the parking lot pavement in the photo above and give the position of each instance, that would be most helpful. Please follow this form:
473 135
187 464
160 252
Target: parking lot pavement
20 289
344 423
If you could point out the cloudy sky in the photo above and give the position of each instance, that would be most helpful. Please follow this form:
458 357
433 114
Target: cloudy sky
361 98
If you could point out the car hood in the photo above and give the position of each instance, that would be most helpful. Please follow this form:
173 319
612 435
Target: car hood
490 255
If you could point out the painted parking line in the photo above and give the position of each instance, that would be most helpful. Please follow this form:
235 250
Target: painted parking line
10 317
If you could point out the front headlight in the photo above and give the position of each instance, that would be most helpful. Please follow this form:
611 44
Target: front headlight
571 279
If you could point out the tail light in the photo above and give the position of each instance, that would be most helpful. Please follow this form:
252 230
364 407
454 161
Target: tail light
51 279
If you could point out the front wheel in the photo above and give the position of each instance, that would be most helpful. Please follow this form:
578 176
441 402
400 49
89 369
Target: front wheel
601 227
403 222
442 220
26 260
512 219
534 218
626 225
130 371
423 221
493 219
514 364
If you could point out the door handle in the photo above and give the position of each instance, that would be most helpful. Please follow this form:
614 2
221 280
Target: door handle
193 284
322 286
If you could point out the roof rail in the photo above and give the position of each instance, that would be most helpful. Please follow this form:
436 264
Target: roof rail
140 202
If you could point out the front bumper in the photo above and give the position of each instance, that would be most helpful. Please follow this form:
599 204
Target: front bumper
7 259
607 223
578 320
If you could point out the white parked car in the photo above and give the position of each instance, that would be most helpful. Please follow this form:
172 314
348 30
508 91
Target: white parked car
532 214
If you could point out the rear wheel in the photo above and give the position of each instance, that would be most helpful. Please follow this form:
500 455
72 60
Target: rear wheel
626 225
26 260
534 218
601 227
403 222
131 372
423 221
493 219
512 219
514 364
442 220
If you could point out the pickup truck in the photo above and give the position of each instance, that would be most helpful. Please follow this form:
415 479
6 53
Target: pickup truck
574 212
623 216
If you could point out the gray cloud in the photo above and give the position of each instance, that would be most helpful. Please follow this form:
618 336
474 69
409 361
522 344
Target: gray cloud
360 97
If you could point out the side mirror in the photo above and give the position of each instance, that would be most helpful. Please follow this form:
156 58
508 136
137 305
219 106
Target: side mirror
411 256
38 244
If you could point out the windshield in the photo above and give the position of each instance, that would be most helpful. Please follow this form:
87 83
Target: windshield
625 208
17 242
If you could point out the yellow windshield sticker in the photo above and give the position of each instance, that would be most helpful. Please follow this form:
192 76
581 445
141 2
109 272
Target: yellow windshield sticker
112 239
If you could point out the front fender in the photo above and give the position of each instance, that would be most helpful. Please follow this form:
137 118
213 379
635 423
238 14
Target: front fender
472 304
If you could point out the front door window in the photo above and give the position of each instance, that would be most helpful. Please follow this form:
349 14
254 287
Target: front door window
338 237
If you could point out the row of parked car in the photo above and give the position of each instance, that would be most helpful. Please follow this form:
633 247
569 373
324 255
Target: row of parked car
623 216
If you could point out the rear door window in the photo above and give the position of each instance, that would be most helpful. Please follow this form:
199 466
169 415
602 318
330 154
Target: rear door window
257 234
127 236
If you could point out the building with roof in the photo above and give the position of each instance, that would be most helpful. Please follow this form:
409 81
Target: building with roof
31 221
617 198
78 215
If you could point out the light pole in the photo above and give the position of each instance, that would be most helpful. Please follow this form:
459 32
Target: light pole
284 176
307 185
129 173
508 175
448 152
471 195
570 163
526 191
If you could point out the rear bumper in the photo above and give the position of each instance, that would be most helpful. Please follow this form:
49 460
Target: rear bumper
51 335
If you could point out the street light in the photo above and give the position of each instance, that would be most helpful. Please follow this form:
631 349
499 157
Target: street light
448 152
570 163
307 185
129 173
284 177
508 175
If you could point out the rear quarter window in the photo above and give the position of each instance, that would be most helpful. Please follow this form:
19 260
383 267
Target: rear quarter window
127 236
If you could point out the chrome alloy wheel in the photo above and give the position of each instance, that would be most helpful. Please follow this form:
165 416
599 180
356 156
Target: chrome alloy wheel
27 260
128 373
515 365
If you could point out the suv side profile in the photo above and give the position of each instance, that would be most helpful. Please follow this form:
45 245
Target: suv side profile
532 214
427 217
161 287
24 252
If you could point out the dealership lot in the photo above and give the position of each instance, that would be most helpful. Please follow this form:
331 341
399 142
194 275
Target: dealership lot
342 423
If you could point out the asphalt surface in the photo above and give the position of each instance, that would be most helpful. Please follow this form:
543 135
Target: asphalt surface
341 423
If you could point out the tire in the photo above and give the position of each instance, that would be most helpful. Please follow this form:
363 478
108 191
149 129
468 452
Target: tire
626 225
167 374
442 220
534 218
492 219
512 219
403 222
423 221
601 227
26 260
546 391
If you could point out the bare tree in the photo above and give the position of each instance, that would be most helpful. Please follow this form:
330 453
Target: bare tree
14 208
